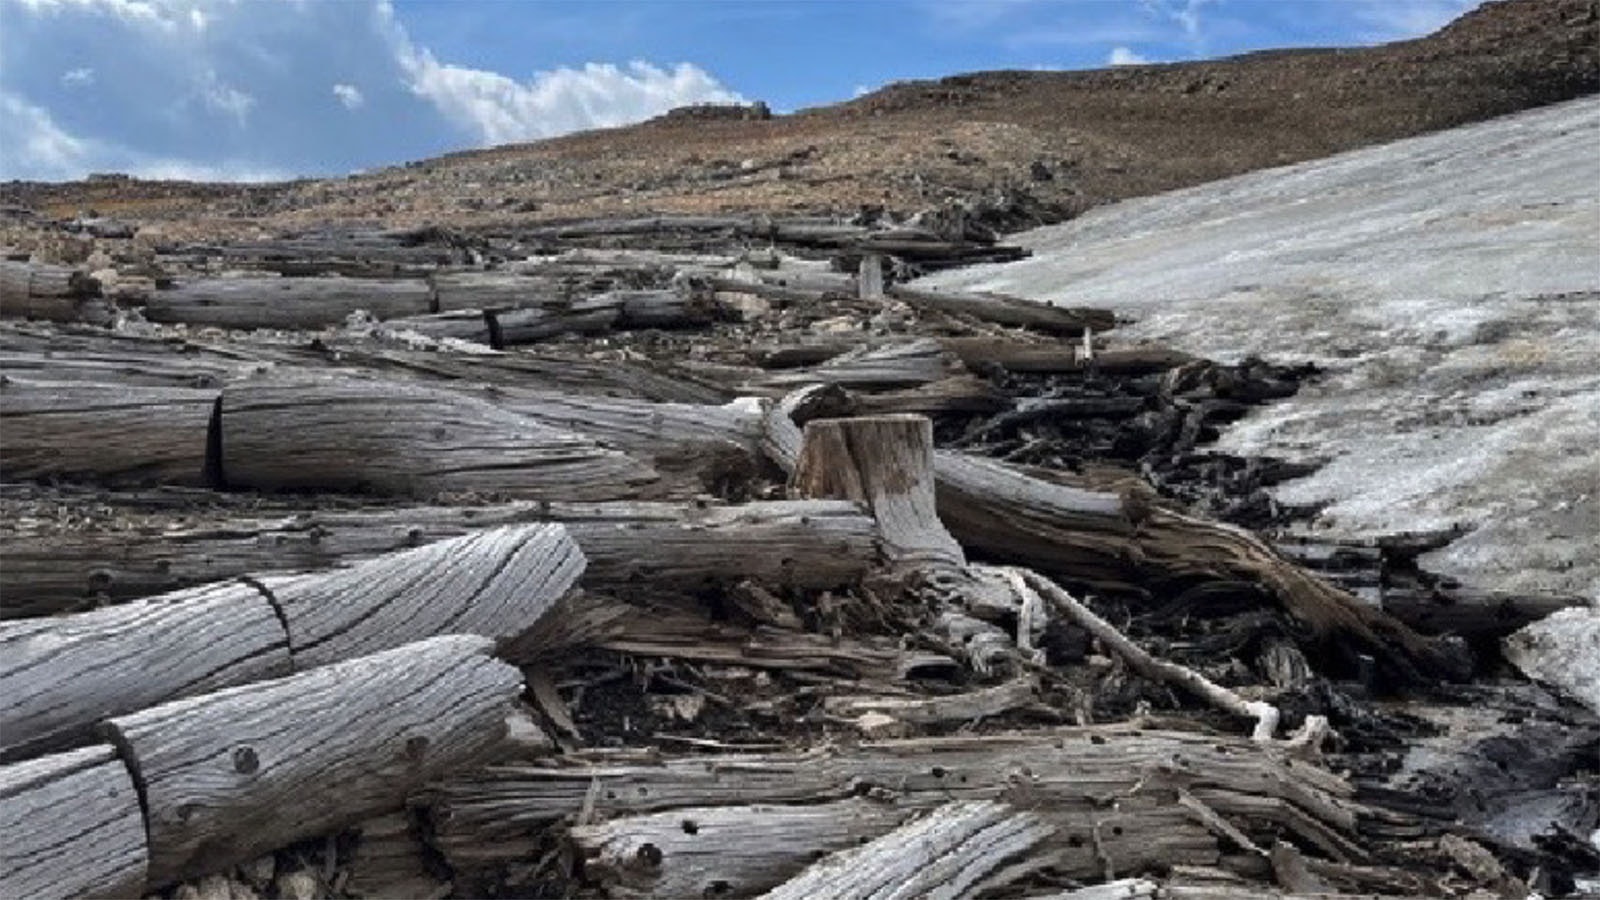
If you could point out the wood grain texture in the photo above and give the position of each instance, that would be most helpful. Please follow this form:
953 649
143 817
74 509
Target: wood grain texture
390 860
408 439
496 582
1003 309
63 675
286 302
236 773
885 462
72 828
727 851
52 567
113 433
945 855
905 364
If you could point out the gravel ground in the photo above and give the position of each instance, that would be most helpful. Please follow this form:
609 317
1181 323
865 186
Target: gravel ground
1450 285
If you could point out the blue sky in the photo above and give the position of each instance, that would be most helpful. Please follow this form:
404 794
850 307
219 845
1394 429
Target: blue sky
259 89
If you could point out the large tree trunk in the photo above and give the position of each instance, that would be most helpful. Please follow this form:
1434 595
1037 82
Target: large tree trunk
113 433
54 293
812 545
353 435
72 826
237 773
308 303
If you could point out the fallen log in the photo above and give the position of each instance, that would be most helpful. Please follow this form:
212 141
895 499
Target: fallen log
1003 309
243 771
948 709
61 676
113 433
54 293
1067 774
1056 358
353 435
901 365
390 859
950 853
73 827
307 303
807 545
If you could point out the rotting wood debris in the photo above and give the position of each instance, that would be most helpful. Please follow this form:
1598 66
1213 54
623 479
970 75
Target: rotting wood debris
703 557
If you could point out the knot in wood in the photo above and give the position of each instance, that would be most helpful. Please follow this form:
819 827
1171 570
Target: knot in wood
245 760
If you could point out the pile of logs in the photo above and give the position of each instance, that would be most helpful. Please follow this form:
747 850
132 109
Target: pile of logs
668 565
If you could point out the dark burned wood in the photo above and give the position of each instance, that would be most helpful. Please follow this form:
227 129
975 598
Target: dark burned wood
407 439
113 433
244 771
63 675
885 462
73 828
55 293
1003 309
497 582
286 302
1066 775
812 545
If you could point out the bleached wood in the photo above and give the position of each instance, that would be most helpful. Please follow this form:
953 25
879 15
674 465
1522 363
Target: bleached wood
885 462
809 544
286 302
349 434
61 676
72 828
941 856
233 774
1003 309
497 582
946 709
733 851
115 433
905 364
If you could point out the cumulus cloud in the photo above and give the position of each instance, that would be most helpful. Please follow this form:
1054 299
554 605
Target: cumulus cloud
1123 56
77 78
349 95
226 99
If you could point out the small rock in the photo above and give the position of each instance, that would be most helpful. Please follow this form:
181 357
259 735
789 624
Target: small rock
300 885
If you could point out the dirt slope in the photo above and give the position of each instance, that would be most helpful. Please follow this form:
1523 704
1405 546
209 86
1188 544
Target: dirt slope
1031 146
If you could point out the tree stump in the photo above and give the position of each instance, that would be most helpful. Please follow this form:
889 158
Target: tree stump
885 462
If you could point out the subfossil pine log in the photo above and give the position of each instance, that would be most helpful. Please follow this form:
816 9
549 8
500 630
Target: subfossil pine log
114 433
945 855
1052 357
72 827
63 675
408 439
807 544
240 772
286 302
1003 309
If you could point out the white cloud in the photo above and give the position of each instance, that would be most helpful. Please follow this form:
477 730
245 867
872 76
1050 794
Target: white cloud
226 99
349 95
1386 21
161 13
77 78
1122 56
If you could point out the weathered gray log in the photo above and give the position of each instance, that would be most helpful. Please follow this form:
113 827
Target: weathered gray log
944 855
497 582
885 462
1047 358
900 365
1066 773
391 860
346 434
462 325
113 433
54 293
287 302
61 676
947 396
72 827
960 708
493 291
236 773
732 851
1003 309
813 545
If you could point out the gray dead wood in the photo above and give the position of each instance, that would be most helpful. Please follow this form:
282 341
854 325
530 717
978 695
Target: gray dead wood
286 302
903 365
1121 889
390 860
733 851
1053 357
1067 774
72 827
815 545
960 708
947 396
497 582
944 855
407 439
885 462
462 325
501 290
112 433
676 307
1002 309
55 293
61 676
233 774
